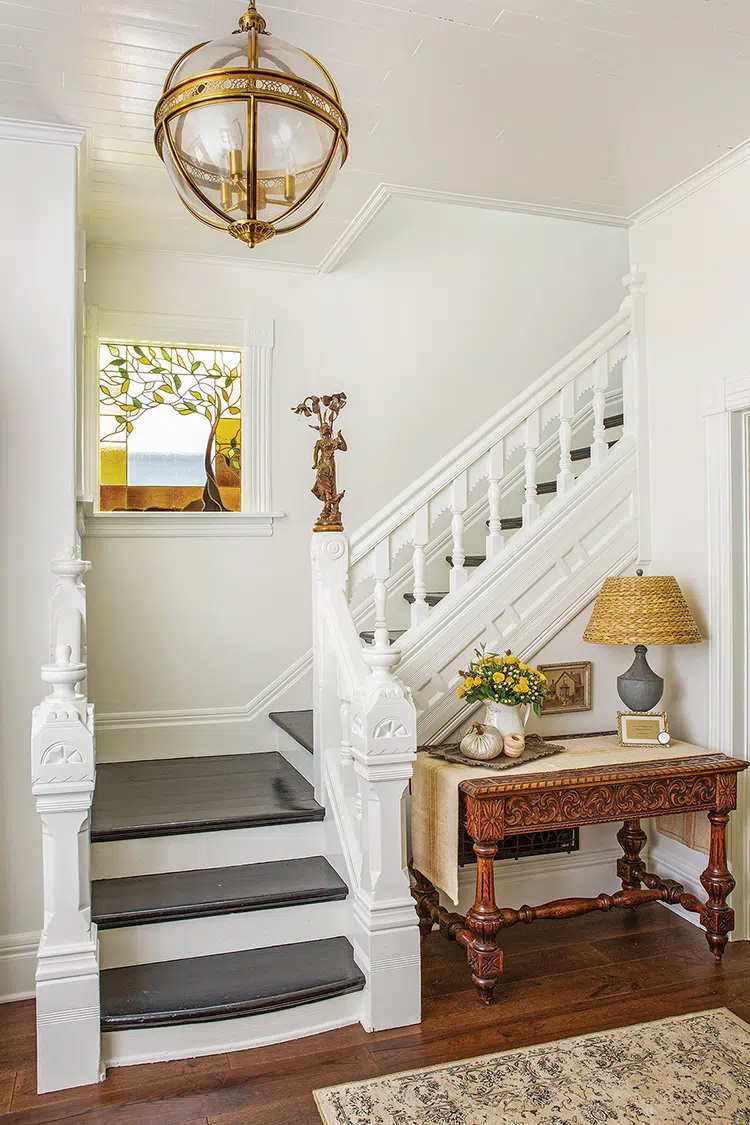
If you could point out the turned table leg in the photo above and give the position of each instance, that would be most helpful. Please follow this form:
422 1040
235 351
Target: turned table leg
716 917
630 868
426 897
483 922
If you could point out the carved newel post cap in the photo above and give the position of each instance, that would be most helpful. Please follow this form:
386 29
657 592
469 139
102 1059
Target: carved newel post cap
64 674
382 661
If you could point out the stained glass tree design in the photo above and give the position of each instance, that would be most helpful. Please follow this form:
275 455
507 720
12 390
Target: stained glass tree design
140 389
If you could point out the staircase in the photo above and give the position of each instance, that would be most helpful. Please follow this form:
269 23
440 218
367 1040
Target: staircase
203 904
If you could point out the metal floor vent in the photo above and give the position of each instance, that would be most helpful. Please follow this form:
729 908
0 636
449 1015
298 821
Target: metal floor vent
525 843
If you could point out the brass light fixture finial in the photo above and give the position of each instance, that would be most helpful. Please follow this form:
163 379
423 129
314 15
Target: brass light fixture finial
252 132
252 21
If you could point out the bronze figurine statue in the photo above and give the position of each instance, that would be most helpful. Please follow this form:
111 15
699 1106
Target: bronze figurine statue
326 410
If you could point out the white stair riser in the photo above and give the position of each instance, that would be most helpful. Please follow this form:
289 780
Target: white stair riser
126 1048
225 933
190 851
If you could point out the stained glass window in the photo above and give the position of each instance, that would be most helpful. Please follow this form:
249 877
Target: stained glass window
169 429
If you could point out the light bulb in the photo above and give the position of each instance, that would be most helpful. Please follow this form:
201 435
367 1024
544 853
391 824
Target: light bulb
231 138
290 172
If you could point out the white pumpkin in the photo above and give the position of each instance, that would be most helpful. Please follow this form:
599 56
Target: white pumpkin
482 742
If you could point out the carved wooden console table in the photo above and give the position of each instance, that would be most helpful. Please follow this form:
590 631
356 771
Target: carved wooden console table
507 803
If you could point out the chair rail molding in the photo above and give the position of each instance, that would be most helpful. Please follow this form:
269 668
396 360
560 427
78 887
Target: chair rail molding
256 342
727 419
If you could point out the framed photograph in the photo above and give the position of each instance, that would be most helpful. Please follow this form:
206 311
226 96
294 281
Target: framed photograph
642 728
569 685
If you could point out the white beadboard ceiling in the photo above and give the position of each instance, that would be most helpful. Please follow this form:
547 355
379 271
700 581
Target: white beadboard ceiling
576 104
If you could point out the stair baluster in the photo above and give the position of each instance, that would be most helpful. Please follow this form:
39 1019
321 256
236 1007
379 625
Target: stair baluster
420 610
494 541
459 500
380 596
530 510
566 477
599 447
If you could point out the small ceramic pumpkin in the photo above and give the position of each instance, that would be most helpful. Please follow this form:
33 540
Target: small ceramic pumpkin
514 745
482 742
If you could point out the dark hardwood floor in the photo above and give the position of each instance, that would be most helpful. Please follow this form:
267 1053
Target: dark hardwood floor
561 979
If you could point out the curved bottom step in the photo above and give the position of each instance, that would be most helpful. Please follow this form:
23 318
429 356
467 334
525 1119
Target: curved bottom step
227 985
195 1040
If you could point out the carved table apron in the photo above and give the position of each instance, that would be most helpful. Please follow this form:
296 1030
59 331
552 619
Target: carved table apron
494 806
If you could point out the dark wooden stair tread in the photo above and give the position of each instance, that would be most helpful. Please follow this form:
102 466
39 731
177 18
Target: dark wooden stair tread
431 599
469 561
169 796
142 899
368 635
227 985
298 724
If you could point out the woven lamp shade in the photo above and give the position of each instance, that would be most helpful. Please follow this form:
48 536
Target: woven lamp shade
643 610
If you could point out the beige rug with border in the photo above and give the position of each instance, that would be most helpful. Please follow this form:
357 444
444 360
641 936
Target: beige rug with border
685 1070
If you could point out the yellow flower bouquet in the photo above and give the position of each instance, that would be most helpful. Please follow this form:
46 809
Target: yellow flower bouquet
502 679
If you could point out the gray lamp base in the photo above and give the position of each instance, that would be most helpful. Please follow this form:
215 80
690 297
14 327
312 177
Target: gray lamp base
640 688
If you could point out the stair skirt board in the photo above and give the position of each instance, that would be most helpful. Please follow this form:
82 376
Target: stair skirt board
225 933
186 1041
192 850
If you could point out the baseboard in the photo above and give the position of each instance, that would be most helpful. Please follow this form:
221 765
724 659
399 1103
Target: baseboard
672 860
18 966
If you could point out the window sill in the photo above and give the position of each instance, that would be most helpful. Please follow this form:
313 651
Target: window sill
177 525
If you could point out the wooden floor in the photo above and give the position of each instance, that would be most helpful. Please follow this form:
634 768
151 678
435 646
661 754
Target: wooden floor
561 979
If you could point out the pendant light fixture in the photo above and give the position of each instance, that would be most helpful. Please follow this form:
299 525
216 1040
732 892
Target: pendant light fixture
252 132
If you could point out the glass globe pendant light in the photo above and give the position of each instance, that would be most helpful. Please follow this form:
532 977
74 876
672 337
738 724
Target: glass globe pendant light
252 132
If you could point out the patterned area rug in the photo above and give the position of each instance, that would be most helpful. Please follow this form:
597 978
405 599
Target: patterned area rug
688 1070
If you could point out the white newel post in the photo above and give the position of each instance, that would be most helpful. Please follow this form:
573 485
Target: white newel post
635 400
329 552
374 735
386 933
62 754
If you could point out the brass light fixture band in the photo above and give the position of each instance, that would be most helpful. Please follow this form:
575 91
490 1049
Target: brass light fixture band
220 84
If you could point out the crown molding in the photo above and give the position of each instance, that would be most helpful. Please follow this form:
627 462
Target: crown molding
40 132
700 179
211 259
385 192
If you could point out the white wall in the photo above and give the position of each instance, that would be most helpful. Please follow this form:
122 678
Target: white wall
438 317
695 256
37 491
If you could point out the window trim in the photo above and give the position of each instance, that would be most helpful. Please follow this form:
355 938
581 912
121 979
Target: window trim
256 343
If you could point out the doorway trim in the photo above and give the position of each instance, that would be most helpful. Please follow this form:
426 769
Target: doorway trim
727 412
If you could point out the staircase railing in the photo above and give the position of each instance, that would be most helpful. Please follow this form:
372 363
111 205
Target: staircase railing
539 423
62 757
365 740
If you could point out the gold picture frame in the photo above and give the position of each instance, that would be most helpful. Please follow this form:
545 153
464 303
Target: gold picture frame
570 687
634 727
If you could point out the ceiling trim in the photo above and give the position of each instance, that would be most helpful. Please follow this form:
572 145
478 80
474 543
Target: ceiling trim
713 171
41 132
385 192
211 259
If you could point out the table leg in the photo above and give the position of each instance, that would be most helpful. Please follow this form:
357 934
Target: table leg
483 922
426 897
716 917
630 868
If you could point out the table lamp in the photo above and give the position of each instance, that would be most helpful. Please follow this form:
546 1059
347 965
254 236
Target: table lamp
641 611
